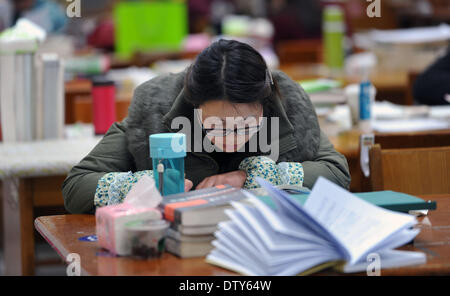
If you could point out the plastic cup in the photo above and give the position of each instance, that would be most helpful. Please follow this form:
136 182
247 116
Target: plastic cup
147 237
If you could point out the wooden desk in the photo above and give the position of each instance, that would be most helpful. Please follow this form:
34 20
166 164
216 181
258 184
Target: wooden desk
32 175
18 205
62 233
391 86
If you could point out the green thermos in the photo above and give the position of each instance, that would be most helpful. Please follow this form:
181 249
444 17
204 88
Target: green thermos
333 37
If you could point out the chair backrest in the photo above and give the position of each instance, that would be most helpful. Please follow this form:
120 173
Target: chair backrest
424 139
438 138
413 170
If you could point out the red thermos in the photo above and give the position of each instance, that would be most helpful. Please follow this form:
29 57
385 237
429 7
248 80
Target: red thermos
103 104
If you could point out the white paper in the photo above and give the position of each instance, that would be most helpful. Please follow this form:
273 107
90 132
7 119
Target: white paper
355 223
410 125
412 35
144 194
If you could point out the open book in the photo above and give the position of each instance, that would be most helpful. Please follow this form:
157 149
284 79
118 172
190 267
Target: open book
332 228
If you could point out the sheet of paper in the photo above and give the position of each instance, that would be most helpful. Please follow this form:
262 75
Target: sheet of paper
412 35
440 112
283 224
410 125
356 224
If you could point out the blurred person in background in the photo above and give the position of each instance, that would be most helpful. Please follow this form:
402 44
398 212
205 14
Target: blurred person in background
49 15
204 14
295 19
432 87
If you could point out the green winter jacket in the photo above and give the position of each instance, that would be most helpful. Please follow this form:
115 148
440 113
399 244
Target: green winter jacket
157 102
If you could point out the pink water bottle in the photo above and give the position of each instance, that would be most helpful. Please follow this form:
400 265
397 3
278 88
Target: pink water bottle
103 104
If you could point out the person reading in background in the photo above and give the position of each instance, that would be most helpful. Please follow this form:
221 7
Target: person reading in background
229 79
432 87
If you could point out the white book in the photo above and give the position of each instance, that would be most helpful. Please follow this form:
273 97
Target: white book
19 101
332 227
39 88
7 89
29 96
51 98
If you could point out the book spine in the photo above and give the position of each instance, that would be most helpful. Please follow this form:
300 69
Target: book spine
7 82
19 104
39 129
172 210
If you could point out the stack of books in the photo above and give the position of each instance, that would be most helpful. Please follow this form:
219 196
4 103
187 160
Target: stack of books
332 228
31 86
194 217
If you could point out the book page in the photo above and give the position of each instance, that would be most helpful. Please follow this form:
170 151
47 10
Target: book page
356 224
291 219
284 225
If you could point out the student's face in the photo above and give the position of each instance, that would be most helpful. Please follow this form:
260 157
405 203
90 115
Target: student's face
218 115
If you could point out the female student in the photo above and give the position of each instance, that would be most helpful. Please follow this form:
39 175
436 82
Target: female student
229 79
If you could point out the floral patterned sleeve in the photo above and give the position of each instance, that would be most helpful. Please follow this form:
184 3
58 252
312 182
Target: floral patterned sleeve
113 187
283 173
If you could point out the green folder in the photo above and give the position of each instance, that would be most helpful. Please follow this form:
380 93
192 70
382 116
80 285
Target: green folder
319 85
391 200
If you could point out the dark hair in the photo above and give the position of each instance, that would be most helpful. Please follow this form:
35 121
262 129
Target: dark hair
229 70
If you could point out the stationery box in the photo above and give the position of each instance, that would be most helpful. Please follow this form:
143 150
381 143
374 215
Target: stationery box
110 225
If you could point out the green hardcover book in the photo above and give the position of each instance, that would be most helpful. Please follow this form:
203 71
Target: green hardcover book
391 200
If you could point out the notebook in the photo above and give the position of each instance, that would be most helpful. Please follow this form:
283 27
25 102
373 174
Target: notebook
332 228
391 200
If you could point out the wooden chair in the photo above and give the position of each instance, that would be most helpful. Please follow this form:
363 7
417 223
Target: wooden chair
413 170
423 139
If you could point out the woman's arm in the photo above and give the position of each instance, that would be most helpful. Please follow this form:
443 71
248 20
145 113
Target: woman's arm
327 163
110 155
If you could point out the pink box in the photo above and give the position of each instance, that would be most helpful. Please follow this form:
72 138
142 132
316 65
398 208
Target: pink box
110 225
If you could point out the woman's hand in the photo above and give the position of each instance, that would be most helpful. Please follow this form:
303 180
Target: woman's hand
235 179
187 185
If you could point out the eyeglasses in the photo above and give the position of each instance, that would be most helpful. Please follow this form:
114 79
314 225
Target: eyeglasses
219 132
225 132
